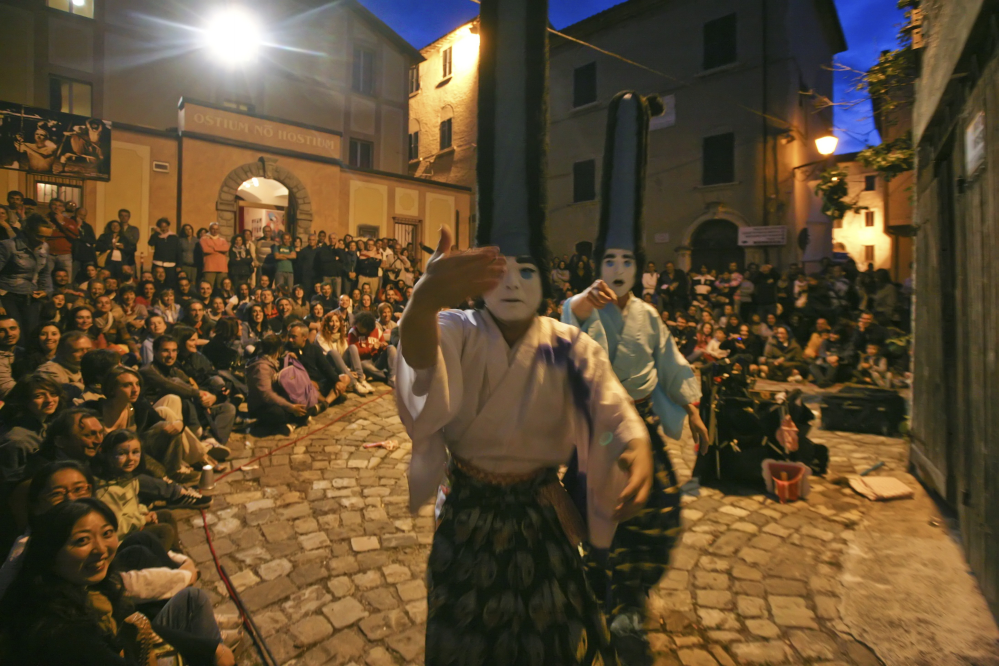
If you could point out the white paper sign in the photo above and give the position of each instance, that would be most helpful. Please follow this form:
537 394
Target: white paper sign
974 144
662 238
760 236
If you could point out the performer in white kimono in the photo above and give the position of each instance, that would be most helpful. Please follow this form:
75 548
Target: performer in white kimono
651 368
500 397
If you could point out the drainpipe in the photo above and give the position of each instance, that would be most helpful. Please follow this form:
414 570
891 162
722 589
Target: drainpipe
765 129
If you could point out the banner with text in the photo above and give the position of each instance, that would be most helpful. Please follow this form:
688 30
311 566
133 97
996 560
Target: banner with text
50 142
762 236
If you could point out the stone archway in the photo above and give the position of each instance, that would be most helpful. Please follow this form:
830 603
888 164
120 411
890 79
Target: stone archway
713 211
265 167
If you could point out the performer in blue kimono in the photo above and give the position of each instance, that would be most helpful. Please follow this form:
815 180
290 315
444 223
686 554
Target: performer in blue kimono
649 365
499 398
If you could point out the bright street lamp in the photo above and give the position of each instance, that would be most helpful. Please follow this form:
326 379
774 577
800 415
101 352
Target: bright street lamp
826 144
233 36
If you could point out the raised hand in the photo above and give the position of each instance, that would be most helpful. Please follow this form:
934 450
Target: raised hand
452 277
597 296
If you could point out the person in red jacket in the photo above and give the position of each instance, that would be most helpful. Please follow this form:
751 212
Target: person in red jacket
216 256
378 357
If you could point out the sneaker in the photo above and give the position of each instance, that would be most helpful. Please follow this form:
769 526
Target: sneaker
190 499
287 429
228 621
361 388
219 452
368 387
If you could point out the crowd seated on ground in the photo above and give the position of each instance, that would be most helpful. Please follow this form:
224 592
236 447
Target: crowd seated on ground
829 325
119 382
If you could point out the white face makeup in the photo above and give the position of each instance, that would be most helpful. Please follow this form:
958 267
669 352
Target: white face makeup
518 296
618 270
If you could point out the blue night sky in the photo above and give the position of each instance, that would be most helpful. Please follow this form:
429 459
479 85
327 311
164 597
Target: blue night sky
870 27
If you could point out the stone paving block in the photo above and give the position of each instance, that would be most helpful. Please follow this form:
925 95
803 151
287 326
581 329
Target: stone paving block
395 573
724 636
710 580
684 559
270 621
310 630
410 643
363 544
340 586
696 657
244 579
379 656
764 628
747 527
314 540
412 590
813 645
268 593
674 580
714 599
792 612
381 598
827 607
378 626
785 587
368 579
712 618
344 612
723 657
771 653
308 574
745 572
734 511
340 649
766 542
751 606
417 611
754 556
729 543
309 600
399 540
278 531
687 641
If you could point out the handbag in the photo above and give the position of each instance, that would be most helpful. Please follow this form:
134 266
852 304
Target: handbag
102 258
294 381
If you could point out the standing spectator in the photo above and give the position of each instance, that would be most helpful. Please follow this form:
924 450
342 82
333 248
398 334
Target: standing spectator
673 289
702 282
24 278
240 261
329 266
64 232
369 263
131 235
115 248
10 353
885 297
187 243
216 255
650 280
85 245
166 249
350 267
308 258
264 246
744 303
284 266
765 292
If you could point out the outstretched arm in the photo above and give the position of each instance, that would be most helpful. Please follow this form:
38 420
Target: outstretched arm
450 278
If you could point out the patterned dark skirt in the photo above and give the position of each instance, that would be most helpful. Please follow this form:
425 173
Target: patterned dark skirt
506 588
639 555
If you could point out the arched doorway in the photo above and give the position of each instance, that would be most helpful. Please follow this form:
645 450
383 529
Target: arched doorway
716 244
298 211
263 203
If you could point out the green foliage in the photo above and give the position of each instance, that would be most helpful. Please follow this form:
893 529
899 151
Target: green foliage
833 190
891 158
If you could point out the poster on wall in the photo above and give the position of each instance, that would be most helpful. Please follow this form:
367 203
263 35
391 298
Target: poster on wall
50 142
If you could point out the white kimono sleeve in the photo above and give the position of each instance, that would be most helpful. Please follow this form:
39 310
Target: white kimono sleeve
615 422
593 327
428 400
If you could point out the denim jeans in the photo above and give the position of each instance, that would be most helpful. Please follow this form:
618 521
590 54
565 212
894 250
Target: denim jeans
284 280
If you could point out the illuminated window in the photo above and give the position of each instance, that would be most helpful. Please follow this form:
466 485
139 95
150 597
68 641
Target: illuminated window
720 45
584 181
45 192
447 57
236 105
364 71
70 96
446 127
414 146
414 79
869 253
84 8
869 218
362 154
584 85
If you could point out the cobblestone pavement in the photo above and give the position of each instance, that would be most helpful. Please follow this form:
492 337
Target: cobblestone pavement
320 543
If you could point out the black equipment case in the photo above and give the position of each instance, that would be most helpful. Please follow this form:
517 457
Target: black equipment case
866 410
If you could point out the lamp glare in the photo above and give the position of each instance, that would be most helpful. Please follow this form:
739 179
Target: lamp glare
826 145
79 3
233 37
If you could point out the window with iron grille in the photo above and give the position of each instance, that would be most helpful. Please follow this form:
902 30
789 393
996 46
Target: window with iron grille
720 43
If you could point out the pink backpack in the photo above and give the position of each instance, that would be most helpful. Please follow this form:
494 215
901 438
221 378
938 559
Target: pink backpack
295 382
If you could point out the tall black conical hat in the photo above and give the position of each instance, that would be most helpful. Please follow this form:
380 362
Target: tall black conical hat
513 127
622 190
